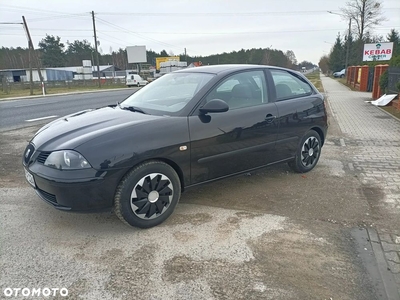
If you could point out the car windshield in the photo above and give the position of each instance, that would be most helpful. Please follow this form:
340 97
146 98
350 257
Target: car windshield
168 94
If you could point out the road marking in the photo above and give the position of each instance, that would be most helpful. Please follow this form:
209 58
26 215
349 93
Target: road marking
39 119
24 105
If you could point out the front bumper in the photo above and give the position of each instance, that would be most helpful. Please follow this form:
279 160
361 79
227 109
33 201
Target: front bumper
76 190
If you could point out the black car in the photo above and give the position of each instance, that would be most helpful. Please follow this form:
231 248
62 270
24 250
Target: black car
186 128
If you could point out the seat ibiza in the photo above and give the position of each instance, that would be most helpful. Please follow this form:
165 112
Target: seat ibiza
186 128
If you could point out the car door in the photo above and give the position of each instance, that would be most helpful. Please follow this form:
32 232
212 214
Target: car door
241 138
299 108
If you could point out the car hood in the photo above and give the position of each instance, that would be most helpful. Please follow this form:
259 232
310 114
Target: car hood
73 130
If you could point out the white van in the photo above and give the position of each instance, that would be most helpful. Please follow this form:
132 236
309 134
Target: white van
135 80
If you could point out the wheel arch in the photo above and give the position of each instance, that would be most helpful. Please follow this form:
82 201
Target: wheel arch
177 169
169 162
320 133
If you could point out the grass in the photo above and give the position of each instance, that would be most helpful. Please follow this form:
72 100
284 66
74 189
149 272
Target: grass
56 90
391 110
344 82
315 79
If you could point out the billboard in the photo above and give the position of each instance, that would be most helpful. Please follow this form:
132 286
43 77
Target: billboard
159 60
136 54
377 51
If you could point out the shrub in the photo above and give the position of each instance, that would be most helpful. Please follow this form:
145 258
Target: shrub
384 81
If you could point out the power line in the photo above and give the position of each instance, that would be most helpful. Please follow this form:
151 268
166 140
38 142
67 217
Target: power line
113 37
31 9
74 16
231 14
64 36
137 34
48 18
201 33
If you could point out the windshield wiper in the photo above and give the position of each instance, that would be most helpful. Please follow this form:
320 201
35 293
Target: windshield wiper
132 108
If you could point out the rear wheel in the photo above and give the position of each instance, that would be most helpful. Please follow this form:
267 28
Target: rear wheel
308 153
138 84
147 195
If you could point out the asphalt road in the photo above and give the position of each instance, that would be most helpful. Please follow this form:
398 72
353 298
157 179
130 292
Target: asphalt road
30 111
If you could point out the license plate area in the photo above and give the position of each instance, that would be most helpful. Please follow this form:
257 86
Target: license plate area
29 178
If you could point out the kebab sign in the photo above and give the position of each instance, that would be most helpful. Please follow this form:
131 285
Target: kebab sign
378 51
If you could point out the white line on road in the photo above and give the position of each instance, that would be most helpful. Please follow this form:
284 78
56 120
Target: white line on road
43 118
24 105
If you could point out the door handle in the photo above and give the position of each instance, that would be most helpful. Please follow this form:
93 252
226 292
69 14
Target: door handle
269 118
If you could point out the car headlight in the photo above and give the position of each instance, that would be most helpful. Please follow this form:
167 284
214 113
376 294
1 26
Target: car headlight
66 160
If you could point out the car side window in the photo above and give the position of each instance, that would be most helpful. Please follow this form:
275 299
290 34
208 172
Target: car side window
241 90
228 85
288 86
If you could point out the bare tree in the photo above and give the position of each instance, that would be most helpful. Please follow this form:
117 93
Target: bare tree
365 13
291 58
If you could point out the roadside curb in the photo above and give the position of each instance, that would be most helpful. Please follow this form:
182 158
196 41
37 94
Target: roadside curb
394 117
370 252
61 94
387 276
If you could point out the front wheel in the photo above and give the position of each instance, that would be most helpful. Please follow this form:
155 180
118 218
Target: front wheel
308 153
147 195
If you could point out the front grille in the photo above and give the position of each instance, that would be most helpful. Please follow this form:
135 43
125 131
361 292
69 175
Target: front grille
42 157
47 196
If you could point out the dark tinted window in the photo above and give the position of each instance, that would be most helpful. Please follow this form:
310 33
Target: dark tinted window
241 90
288 86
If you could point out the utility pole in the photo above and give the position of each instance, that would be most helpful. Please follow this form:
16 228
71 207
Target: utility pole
30 46
185 55
31 52
95 46
348 46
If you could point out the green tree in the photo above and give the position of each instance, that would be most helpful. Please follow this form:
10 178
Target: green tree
52 51
164 53
365 14
336 61
15 58
393 36
78 51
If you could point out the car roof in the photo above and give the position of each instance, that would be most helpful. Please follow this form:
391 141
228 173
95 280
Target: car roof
216 69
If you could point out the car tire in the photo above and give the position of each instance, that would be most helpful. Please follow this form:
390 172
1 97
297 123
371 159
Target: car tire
307 153
138 84
147 195
341 76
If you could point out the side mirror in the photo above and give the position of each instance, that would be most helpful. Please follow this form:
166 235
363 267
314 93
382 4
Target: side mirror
214 106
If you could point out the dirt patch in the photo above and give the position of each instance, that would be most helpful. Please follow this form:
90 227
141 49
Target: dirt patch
315 264
12 146
194 219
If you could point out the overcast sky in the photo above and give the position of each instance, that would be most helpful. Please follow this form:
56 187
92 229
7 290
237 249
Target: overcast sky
202 27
